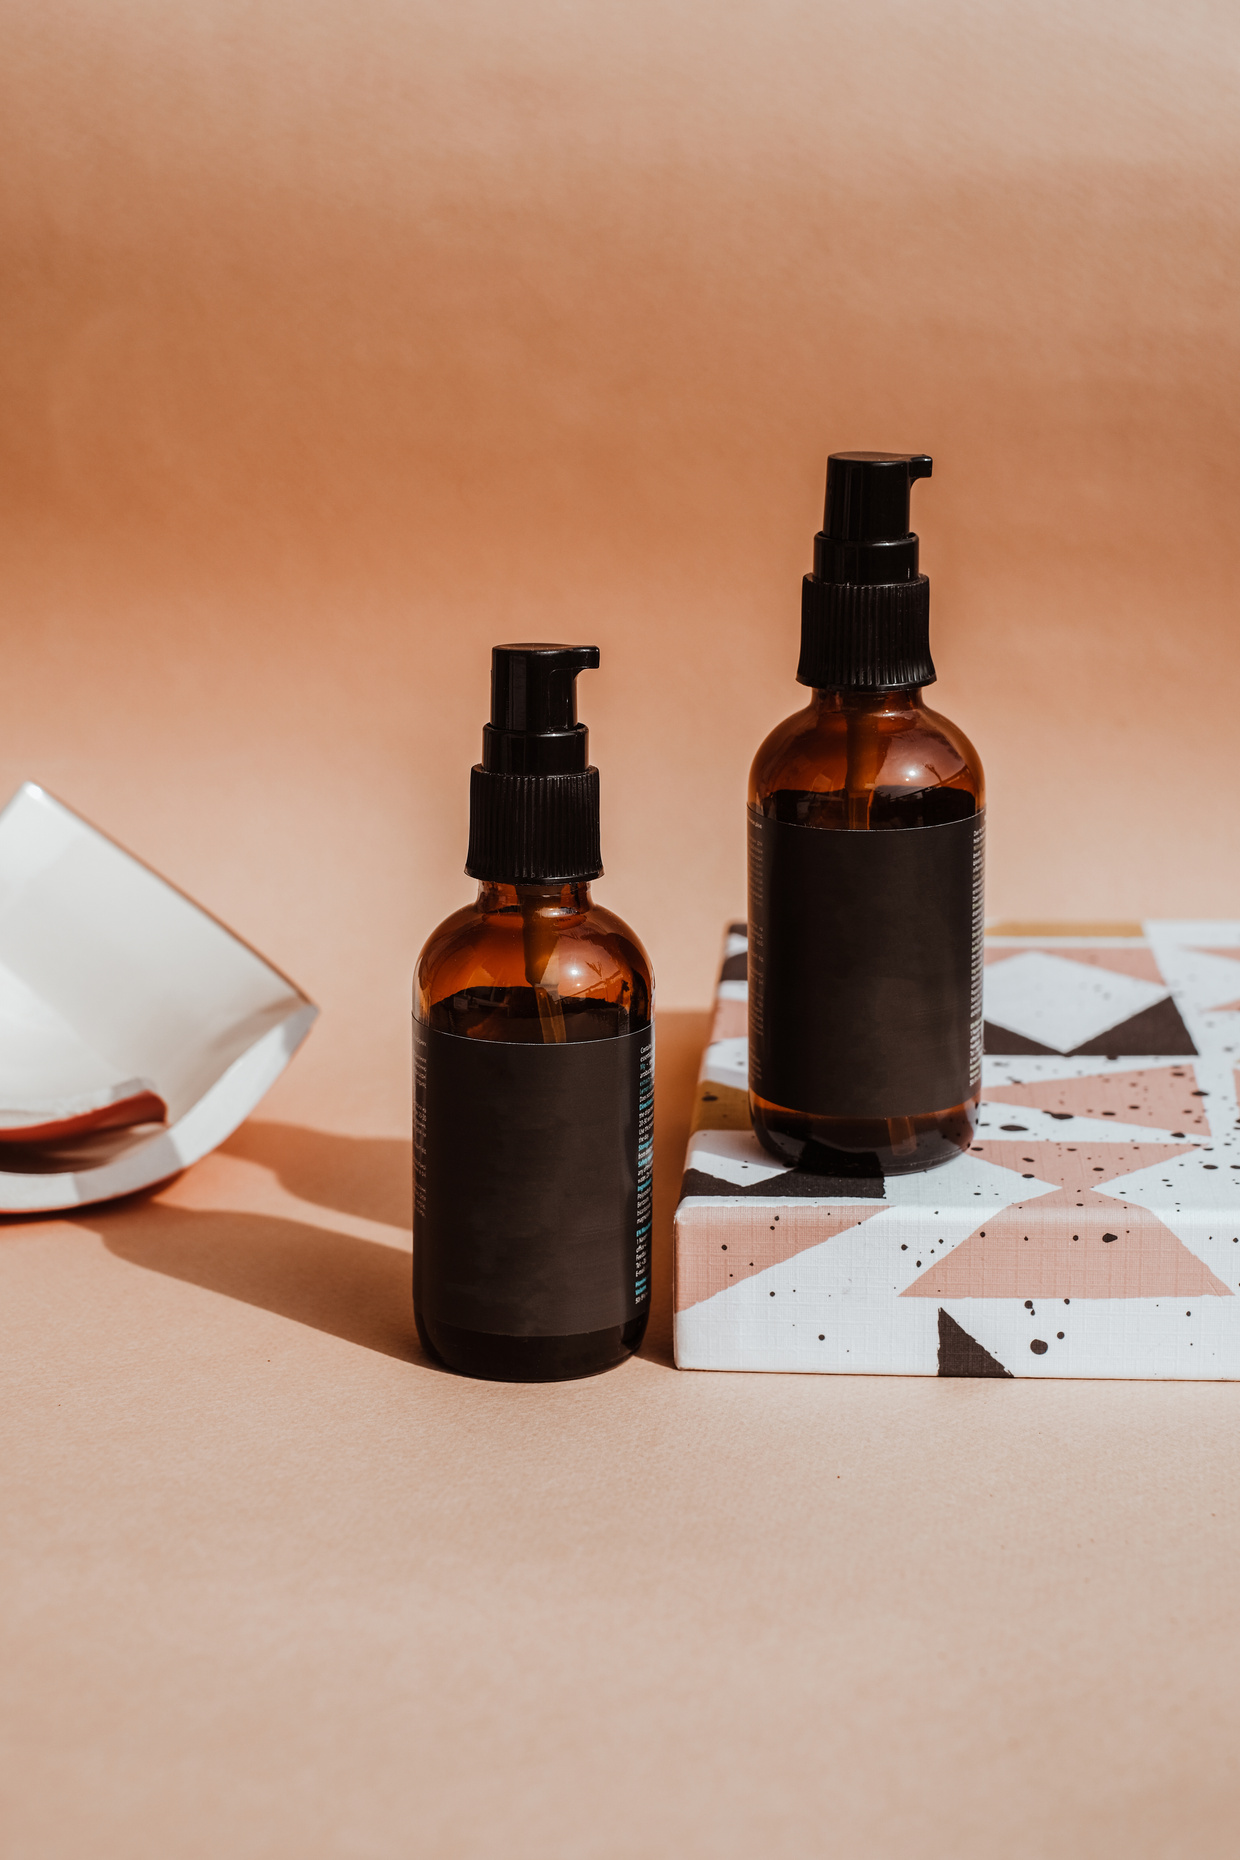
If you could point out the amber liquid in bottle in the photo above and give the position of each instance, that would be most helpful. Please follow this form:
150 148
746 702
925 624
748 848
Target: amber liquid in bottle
532 963
866 761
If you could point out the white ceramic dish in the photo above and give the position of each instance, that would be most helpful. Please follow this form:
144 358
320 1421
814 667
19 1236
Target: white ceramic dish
120 1000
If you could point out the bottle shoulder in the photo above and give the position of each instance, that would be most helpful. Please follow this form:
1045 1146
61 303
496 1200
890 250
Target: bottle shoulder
521 966
457 936
498 937
898 753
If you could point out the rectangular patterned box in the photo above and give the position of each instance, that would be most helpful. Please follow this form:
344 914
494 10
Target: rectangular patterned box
1093 1228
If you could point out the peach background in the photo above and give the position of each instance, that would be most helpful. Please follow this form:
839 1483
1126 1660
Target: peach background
340 342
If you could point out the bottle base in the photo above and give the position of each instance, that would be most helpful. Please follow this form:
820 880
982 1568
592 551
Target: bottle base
490 1357
863 1146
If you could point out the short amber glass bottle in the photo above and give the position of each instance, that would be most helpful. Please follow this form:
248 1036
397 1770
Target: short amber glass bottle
866 813
533 1060
532 964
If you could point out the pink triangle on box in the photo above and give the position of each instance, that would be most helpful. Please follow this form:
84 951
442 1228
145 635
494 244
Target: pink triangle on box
1072 1242
1164 1097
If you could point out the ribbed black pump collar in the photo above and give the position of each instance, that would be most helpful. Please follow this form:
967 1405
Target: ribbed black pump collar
865 610
533 799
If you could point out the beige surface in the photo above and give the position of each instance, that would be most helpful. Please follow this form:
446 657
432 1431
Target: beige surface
340 342
275 1587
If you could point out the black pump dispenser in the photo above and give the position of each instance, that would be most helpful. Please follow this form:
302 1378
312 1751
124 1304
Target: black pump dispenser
865 610
533 799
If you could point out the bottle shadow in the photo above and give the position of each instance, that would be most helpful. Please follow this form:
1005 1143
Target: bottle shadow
371 1177
355 1289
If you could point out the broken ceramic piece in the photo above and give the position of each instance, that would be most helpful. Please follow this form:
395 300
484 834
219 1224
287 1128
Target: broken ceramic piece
136 1032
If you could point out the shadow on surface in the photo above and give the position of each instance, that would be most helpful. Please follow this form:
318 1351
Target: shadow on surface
360 1290
371 1177
357 1290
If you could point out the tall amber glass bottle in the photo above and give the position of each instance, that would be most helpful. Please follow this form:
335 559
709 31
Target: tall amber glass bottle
866 836
533 1063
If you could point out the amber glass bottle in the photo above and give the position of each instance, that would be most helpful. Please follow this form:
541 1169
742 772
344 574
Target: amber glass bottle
533 1035
866 837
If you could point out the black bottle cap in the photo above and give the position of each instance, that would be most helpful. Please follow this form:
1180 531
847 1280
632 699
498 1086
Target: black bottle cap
865 610
533 799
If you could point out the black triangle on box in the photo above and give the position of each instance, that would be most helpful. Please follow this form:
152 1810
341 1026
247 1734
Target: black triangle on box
1003 1040
793 1185
962 1355
697 1182
1157 1032
735 968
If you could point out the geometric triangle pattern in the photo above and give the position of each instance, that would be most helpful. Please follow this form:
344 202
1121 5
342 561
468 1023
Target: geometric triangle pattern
1004 1042
1157 1029
1073 1242
788 1185
1140 962
1046 996
1063 1246
1076 1166
962 1355
719 1254
1163 1097
1029 1254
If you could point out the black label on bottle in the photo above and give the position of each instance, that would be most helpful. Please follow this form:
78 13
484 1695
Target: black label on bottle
532 1182
865 966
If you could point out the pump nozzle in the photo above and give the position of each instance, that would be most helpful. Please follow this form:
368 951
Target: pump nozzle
534 728
865 537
